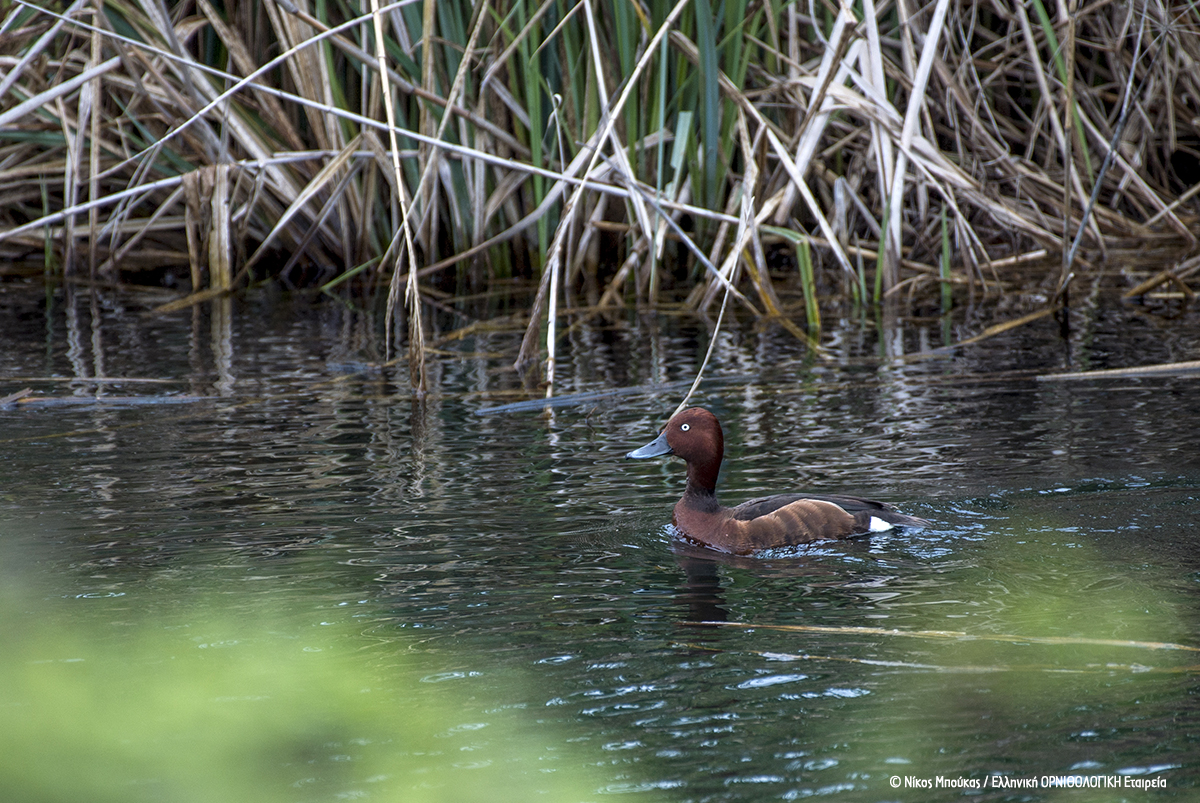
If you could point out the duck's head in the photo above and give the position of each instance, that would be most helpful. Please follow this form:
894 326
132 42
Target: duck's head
695 435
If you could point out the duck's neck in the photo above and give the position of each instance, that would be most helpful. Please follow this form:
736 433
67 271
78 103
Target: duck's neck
699 499
702 481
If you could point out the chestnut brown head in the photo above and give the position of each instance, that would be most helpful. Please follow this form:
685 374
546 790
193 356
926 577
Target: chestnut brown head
695 435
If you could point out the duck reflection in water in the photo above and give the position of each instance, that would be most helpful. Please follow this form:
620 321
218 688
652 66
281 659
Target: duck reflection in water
702 598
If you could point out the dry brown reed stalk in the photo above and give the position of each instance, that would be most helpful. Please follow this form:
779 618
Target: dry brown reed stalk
510 120
416 332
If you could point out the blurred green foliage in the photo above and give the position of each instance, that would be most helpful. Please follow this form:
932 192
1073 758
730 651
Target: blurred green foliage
216 708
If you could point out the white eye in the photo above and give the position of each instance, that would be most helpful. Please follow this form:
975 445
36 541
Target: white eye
685 427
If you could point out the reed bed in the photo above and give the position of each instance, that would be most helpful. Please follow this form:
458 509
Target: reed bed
614 151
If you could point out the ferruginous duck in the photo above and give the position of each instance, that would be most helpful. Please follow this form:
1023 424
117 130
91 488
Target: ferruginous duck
764 523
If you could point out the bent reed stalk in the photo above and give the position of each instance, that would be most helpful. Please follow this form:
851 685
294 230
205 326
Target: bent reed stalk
934 145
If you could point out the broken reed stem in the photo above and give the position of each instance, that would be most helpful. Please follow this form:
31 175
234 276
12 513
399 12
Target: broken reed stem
1112 148
745 230
955 635
712 343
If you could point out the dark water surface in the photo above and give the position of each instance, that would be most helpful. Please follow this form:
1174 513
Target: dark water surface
513 562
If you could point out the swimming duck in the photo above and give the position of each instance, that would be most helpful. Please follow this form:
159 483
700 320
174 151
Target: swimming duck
764 523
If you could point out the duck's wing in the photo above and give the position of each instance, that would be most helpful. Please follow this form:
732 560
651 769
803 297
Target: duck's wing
861 509
763 505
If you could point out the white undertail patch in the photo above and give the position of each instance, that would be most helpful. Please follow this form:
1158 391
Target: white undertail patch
878 525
